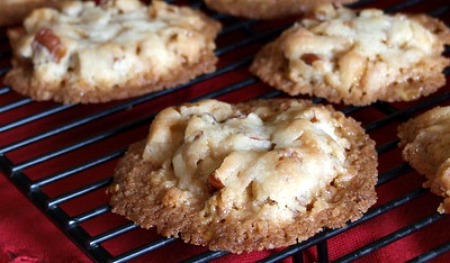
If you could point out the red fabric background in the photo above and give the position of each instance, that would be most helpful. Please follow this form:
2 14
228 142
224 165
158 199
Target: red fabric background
26 235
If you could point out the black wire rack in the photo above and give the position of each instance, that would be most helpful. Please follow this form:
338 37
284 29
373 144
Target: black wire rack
62 158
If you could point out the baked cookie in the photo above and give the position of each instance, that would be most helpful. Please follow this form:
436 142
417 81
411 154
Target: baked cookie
121 48
251 176
14 11
357 57
267 9
426 147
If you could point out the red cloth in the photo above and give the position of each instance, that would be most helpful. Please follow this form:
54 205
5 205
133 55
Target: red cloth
26 234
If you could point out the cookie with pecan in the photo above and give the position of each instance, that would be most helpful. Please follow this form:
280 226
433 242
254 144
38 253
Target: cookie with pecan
251 176
357 57
87 53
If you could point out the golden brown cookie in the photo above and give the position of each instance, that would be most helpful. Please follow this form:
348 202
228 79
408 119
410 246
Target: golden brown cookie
119 49
357 57
245 177
426 147
14 11
267 9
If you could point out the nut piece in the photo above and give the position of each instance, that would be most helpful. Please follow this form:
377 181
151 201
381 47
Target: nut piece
214 181
47 38
309 58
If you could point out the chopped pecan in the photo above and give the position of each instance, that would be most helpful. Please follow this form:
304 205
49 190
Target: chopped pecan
49 40
214 181
309 58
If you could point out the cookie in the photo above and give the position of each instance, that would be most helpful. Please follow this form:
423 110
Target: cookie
88 53
426 147
357 57
266 9
251 176
14 11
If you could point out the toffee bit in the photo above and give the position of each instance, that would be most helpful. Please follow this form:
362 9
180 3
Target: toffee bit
47 38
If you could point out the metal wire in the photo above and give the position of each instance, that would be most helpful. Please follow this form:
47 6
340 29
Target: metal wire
390 238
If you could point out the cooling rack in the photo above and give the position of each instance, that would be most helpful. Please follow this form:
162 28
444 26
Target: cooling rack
62 157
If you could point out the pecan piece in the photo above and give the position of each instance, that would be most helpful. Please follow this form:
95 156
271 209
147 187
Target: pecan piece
309 58
47 38
214 181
